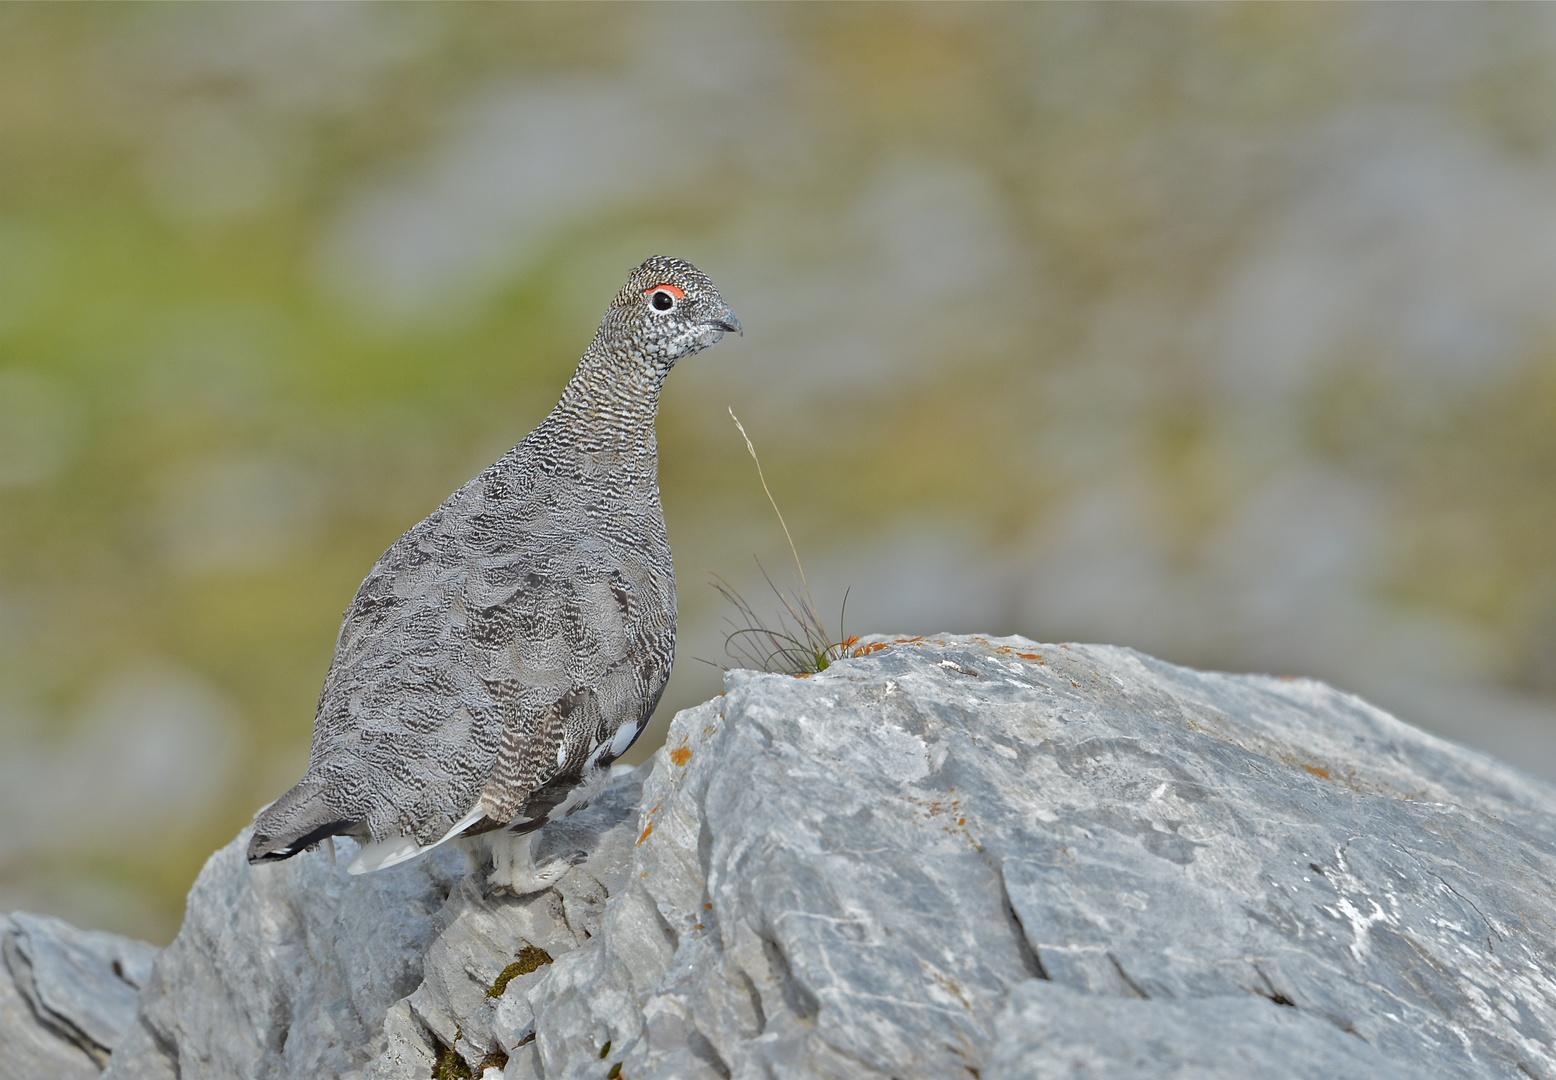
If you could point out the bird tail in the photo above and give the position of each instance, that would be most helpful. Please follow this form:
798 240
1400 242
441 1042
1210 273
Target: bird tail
297 820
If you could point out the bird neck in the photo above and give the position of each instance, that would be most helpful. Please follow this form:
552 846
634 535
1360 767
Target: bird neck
612 399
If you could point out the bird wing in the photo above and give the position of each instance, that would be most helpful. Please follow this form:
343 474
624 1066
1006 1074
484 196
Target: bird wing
474 632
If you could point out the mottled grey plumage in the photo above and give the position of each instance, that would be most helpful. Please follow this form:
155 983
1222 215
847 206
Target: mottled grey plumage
521 635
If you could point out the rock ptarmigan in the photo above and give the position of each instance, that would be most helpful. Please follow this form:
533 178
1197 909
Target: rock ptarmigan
511 645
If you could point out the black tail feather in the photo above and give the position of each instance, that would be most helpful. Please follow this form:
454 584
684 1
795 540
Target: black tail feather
294 822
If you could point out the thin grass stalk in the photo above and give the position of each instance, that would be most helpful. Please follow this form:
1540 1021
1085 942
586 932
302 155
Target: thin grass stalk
751 449
798 643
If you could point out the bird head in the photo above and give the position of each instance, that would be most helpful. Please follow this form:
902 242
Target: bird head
668 309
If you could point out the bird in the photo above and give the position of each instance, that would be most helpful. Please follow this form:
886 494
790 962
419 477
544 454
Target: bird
512 644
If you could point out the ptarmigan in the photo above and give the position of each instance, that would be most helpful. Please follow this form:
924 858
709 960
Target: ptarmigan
511 645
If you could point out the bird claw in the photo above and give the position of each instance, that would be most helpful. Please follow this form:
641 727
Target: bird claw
526 880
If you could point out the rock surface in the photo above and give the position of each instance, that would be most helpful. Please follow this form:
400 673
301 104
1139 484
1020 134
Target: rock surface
298 969
67 996
957 857
851 875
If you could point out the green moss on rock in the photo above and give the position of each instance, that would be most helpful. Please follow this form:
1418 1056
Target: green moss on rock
530 958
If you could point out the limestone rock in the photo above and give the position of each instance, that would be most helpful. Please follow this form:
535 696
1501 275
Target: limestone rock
299 969
491 947
286 969
925 862
67 996
945 858
1049 1030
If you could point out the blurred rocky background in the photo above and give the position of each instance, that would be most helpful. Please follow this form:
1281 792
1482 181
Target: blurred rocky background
1224 332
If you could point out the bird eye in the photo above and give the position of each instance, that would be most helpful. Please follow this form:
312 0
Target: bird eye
664 296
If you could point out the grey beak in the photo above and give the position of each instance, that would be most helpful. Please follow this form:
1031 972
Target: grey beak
728 323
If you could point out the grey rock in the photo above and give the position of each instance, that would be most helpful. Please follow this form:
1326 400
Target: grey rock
285 969
481 931
67 996
1052 1032
299 969
853 874
28 1047
408 1050
947 858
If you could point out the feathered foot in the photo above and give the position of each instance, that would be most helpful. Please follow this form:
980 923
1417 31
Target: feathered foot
514 868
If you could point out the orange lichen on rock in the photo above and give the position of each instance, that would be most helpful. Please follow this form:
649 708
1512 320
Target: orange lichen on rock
650 828
1006 650
681 755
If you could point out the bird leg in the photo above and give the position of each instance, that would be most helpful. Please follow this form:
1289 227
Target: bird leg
514 867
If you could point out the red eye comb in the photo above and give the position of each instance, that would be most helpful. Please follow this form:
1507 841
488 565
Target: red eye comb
679 294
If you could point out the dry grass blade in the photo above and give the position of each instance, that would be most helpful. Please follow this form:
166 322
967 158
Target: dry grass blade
751 449
798 642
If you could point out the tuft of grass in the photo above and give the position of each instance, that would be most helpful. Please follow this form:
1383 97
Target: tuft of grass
793 642
449 1065
796 641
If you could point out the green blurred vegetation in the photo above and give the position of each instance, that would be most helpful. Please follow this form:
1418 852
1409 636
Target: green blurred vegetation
203 446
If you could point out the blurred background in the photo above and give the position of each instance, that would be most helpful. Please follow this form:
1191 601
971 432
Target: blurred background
1224 332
